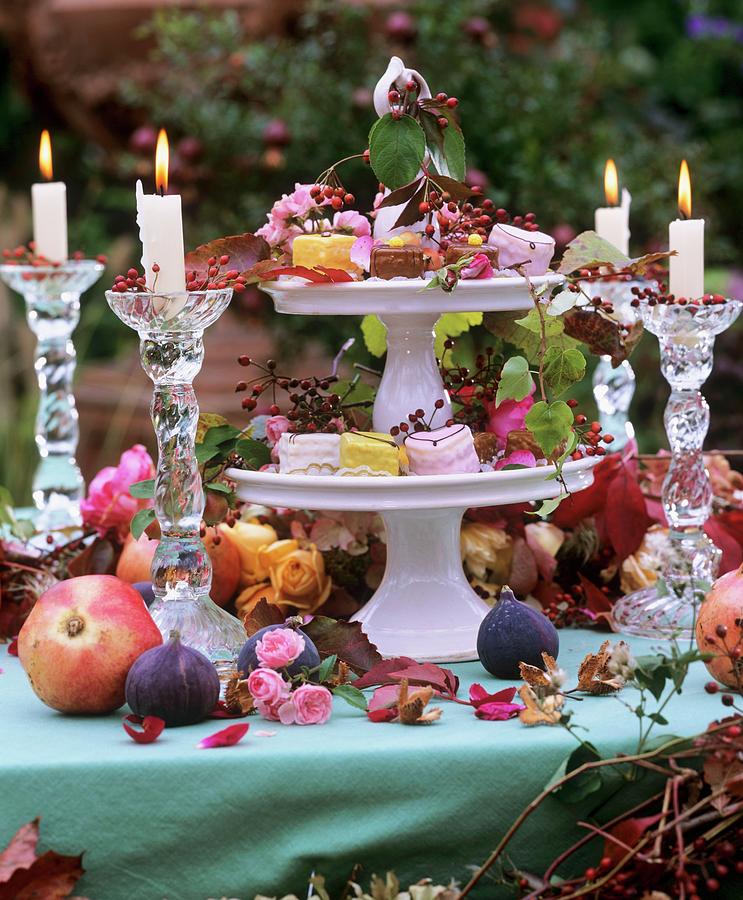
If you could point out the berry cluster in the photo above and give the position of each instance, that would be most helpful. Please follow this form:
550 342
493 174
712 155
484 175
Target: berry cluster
477 218
216 277
417 420
654 298
567 607
27 256
473 390
589 434
315 408
333 195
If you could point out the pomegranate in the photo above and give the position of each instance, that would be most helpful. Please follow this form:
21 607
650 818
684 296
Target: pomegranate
720 628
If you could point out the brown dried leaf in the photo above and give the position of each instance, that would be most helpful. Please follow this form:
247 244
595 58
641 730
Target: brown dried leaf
536 677
602 334
411 707
21 851
594 676
237 697
540 710
262 615
244 251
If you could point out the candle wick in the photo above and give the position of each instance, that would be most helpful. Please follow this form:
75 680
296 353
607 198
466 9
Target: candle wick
162 192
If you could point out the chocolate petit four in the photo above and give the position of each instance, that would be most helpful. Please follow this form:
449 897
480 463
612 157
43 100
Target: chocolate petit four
397 260
443 451
472 246
333 251
523 439
486 446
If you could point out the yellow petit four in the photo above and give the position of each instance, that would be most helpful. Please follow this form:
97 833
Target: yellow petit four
330 250
368 453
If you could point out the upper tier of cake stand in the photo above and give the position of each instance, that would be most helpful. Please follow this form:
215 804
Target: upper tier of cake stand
403 296
376 494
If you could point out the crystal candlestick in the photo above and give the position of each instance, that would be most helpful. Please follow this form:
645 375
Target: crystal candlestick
686 335
52 296
171 328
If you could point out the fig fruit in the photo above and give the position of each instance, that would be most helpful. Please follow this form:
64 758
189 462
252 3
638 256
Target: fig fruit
248 658
513 632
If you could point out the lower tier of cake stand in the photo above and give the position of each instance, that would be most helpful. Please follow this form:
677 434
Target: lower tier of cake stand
424 607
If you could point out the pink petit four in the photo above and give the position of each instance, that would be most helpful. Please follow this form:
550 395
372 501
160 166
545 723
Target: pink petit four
443 451
515 245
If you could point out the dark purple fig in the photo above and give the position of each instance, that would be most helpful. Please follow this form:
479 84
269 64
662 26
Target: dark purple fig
513 632
248 660
173 682
145 589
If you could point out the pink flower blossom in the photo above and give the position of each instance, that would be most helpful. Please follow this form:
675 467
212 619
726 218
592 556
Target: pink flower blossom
361 251
478 267
508 417
288 217
109 505
268 710
517 458
279 648
494 707
351 222
275 427
268 687
313 704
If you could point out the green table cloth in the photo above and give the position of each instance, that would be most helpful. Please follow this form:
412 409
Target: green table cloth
169 820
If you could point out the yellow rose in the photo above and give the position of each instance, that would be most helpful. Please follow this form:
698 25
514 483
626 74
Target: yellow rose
248 599
250 538
642 568
486 548
299 579
271 556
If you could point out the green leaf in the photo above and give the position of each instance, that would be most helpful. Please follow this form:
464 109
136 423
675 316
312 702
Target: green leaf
326 667
583 785
453 325
550 423
143 490
352 695
396 150
375 335
563 368
503 325
454 152
532 322
547 507
140 521
220 434
588 250
562 302
255 453
515 380
205 452
218 487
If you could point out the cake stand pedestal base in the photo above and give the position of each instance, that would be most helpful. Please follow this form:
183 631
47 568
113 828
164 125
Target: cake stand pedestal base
424 607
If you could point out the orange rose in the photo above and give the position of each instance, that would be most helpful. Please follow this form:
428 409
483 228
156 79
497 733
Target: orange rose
250 538
299 579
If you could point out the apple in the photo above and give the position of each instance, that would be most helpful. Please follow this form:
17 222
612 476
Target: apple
80 640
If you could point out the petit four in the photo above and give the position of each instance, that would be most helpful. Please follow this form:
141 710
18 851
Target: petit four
473 245
486 446
309 454
368 453
443 451
523 439
330 250
396 259
532 249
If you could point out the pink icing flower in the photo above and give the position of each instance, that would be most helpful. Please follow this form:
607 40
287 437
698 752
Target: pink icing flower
268 687
313 704
517 458
109 505
351 222
275 427
279 648
478 267
508 417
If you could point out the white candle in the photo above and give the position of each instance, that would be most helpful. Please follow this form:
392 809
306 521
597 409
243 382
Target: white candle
49 207
686 237
161 229
612 222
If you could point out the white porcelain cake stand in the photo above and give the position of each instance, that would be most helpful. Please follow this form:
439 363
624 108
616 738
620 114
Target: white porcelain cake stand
411 378
424 607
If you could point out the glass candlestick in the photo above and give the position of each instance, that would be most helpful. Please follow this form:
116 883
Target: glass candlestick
686 335
52 297
171 328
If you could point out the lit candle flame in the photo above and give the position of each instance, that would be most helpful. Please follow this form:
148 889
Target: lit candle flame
611 183
162 158
684 191
45 155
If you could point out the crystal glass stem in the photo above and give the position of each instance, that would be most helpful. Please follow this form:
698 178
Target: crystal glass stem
686 335
613 390
52 298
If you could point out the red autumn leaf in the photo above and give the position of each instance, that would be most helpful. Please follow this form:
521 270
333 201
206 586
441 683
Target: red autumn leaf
24 875
580 506
496 707
13 647
227 737
335 275
151 728
98 558
346 640
627 834
380 673
722 530
319 275
385 697
625 514
428 674
596 599
244 251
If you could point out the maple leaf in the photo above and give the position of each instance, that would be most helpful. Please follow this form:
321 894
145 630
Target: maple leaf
50 876
594 676
540 710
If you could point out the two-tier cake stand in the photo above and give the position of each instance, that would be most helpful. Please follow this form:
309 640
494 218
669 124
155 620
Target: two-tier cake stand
424 607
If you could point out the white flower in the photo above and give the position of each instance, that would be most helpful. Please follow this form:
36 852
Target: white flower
396 77
621 662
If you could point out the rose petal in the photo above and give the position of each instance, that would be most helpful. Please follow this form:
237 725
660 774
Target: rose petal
224 738
498 712
152 727
478 695
13 647
382 715
265 734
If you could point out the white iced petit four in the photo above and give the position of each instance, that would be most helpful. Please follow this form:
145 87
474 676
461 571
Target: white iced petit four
309 454
533 249
443 451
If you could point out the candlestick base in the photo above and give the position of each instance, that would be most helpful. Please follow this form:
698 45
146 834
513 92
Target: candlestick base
52 296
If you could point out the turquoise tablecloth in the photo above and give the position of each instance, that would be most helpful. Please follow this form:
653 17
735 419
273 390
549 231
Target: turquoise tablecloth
168 820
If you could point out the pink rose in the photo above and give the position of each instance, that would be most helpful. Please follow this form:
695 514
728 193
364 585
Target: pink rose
351 222
109 505
313 704
508 417
279 648
267 687
517 458
275 427
478 267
